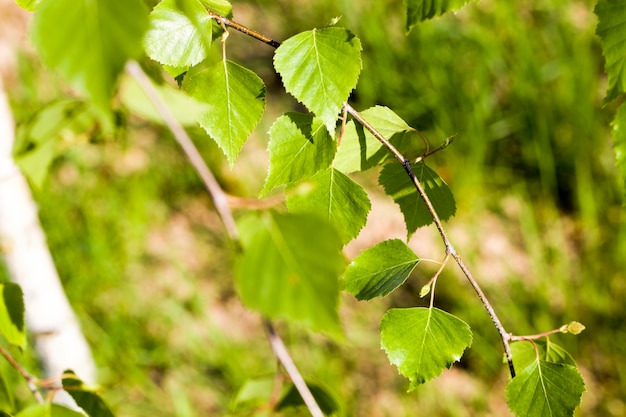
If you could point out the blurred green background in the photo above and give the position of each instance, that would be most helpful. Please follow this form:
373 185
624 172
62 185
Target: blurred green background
146 263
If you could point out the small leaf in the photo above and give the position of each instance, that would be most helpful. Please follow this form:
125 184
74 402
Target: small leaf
575 327
379 270
524 353
12 314
335 196
30 5
299 147
425 290
320 68
619 144
360 150
179 36
254 393
290 269
419 10
422 342
397 184
85 397
612 32
545 389
236 100
88 42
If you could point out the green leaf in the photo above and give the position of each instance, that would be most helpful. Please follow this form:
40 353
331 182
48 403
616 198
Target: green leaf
7 402
12 314
320 68
48 410
360 150
335 196
49 133
180 33
619 143
236 100
397 184
88 42
612 32
420 10
379 270
545 389
30 5
299 147
185 109
254 393
422 342
292 398
85 397
524 353
290 269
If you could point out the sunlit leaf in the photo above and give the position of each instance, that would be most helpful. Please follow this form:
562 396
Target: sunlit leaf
88 42
612 32
320 68
360 150
30 5
254 392
12 314
422 342
619 144
398 185
290 269
419 10
575 327
235 98
545 389
180 33
299 147
335 196
379 270
85 397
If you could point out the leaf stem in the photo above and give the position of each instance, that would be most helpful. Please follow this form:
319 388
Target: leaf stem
30 380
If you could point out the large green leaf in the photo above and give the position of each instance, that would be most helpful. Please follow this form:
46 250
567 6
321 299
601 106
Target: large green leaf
419 10
236 100
180 33
299 147
612 32
398 185
619 143
320 68
545 389
336 197
85 397
360 150
290 269
88 42
524 354
379 270
422 342
12 314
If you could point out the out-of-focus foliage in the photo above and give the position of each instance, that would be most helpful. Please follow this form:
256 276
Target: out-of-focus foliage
520 83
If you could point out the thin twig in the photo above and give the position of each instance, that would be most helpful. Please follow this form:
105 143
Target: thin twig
30 380
220 200
280 351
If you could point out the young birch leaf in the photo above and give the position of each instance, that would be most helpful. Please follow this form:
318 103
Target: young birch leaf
85 397
179 36
397 184
320 68
422 342
359 149
524 353
335 196
379 270
221 7
89 42
236 100
419 10
545 389
12 314
290 269
612 32
299 147
619 143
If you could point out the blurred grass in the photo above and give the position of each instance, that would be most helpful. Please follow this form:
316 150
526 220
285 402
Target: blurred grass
147 266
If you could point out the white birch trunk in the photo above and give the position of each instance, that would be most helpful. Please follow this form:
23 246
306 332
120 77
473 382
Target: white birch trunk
50 320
